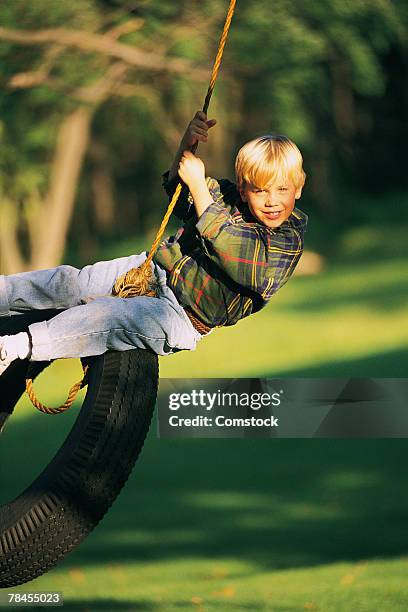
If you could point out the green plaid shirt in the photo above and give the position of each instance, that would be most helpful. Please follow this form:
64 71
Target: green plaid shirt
226 265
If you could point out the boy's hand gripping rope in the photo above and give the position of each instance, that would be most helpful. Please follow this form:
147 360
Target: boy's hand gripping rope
140 281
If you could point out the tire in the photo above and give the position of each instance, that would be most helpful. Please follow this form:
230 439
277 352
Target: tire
72 494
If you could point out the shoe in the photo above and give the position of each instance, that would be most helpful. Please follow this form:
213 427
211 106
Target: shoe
4 361
13 347
3 366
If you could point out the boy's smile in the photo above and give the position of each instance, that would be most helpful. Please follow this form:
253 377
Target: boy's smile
272 204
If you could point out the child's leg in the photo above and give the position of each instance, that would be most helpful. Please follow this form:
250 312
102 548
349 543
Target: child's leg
61 287
110 323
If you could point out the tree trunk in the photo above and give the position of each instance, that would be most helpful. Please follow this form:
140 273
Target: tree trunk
58 208
103 187
11 259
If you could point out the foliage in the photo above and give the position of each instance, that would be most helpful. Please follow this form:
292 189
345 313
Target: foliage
331 75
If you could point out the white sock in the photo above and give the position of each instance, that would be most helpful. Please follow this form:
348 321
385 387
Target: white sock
15 347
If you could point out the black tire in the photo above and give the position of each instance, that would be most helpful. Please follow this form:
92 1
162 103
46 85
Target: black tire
72 494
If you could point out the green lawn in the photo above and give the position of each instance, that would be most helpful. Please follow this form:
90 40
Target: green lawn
253 524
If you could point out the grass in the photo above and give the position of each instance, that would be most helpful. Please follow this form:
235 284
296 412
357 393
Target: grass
253 524
237 585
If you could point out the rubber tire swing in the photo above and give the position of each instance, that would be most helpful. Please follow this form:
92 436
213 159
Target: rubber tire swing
69 498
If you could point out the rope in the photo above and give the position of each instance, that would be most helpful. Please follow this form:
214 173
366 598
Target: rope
218 58
139 281
73 392
201 327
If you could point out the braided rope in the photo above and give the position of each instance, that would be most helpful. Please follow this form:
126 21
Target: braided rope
218 58
201 327
139 281
73 392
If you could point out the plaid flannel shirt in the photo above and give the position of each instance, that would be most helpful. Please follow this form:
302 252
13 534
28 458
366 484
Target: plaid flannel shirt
226 265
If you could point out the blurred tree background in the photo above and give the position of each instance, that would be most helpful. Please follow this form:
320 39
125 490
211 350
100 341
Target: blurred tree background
95 95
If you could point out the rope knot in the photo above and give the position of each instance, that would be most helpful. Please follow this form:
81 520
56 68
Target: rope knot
136 282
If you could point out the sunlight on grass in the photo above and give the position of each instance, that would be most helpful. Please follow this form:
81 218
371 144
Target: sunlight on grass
204 583
358 478
250 510
136 538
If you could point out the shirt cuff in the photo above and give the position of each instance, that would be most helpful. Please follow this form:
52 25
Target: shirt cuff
169 186
211 220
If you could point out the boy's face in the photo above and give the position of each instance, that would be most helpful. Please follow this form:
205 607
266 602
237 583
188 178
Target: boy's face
272 204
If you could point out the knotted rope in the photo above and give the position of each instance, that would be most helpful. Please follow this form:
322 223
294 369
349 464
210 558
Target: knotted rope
73 392
139 281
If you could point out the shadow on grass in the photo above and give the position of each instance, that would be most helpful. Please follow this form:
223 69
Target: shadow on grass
391 364
93 605
273 503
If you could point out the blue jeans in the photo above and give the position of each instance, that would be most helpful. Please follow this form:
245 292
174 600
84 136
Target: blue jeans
91 320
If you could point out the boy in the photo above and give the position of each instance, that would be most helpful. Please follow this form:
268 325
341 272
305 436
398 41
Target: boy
239 244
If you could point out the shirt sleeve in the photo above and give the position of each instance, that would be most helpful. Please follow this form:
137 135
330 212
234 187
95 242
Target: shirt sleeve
257 258
184 208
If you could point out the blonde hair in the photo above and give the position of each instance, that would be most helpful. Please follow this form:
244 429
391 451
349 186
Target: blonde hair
269 159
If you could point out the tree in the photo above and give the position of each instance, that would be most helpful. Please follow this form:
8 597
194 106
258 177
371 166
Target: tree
96 94
49 108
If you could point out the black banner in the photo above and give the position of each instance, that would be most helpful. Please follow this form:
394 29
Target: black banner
283 408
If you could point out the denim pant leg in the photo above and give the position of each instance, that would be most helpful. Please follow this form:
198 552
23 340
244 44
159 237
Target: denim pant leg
61 287
111 323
